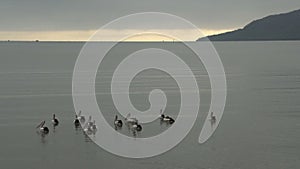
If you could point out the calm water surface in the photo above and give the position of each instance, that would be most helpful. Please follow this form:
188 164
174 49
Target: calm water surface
259 130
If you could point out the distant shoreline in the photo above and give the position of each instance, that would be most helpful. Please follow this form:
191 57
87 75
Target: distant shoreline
280 27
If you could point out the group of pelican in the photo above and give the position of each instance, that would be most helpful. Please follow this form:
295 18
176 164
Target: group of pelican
44 129
90 126
134 124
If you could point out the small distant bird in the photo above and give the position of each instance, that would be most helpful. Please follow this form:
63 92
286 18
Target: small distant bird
43 129
130 120
137 127
117 122
93 126
80 117
133 123
90 127
212 117
89 123
162 115
76 121
55 120
167 119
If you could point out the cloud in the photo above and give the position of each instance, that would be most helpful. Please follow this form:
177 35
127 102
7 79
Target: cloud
71 16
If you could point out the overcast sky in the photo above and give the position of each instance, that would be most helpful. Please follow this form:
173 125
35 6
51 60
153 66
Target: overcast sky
86 15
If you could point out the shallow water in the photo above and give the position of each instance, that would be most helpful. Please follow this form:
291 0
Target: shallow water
260 127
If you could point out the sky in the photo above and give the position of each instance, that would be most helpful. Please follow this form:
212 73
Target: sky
77 20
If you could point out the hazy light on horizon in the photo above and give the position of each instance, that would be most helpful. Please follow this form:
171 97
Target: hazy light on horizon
109 35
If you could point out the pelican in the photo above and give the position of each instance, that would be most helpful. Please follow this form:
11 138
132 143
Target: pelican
162 116
80 117
88 130
137 127
90 127
93 126
130 120
89 123
213 118
76 121
133 123
55 120
117 122
167 119
43 129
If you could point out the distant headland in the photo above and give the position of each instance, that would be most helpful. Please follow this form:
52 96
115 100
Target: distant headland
278 27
